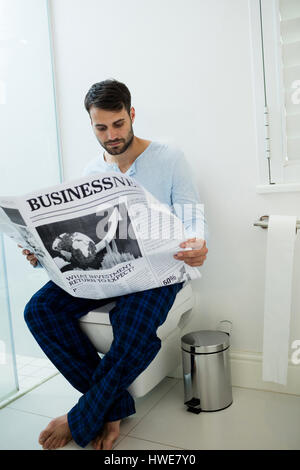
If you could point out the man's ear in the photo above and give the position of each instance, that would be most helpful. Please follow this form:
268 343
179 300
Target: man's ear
132 114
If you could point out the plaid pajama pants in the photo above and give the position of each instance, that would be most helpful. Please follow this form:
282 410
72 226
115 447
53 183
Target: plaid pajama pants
52 317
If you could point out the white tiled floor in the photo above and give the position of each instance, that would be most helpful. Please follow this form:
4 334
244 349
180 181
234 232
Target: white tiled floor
255 420
31 373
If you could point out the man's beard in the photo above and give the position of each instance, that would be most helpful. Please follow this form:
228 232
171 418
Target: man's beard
122 147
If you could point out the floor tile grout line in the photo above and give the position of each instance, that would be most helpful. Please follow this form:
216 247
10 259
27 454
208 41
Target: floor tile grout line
268 391
29 412
153 442
33 376
123 437
156 403
24 363
36 367
19 359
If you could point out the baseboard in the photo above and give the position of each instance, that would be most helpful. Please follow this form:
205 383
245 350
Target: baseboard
246 372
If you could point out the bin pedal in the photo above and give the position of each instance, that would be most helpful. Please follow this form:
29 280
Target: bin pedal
193 405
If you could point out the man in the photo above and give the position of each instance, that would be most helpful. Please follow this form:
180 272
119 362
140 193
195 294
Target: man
52 314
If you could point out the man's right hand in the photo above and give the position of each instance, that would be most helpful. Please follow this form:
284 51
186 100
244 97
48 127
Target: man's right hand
30 256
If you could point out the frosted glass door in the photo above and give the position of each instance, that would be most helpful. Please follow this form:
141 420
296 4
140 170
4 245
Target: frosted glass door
8 378
29 150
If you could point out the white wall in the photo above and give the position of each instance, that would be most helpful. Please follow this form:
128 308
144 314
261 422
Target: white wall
188 66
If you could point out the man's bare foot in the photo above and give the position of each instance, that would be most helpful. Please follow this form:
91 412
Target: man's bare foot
57 433
108 435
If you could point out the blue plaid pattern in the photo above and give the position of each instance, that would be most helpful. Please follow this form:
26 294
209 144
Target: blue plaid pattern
52 317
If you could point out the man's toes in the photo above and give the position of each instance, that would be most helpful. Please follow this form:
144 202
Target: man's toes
107 444
47 444
44 436
56 443
46 433
52 442
98 444
95 444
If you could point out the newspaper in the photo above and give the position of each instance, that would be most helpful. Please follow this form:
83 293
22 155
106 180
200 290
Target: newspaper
99 236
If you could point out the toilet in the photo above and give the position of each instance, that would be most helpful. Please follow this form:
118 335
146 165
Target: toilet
96 325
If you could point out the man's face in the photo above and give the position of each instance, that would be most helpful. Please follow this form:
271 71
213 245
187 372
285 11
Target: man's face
113 127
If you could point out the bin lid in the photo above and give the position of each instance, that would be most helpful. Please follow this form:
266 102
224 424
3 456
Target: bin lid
205 341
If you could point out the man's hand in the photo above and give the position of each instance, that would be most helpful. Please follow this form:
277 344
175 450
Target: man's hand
30 256
196 256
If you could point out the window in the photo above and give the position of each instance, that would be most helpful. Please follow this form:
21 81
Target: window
276 58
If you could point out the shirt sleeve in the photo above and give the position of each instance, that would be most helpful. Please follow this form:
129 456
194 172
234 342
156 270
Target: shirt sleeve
86 171
186 203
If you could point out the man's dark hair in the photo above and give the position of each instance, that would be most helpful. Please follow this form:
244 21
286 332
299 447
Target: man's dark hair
108 94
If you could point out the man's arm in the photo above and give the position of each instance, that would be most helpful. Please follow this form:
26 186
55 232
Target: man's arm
188 207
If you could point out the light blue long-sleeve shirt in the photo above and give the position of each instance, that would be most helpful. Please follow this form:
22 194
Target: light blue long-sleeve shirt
163 170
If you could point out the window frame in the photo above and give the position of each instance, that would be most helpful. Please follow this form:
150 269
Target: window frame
277 173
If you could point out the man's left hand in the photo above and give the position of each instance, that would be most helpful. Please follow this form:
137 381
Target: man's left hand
196 256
